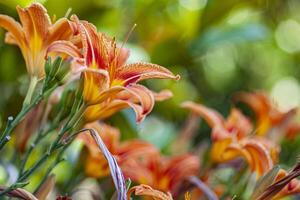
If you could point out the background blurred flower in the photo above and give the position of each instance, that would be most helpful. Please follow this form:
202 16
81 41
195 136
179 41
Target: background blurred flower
218 47
162 173
232 138
96 164
145 190
267 114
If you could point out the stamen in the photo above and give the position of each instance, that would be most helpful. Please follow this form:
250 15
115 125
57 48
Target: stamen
128 35
68 12
53 18
125 41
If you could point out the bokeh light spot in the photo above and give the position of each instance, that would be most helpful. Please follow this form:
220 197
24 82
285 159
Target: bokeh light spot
287 36
193 4
286 93
219 66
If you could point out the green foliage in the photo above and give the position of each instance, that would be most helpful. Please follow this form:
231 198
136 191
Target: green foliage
218 47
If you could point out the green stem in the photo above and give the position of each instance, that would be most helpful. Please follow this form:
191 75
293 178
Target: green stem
12 187
37 140
31 89
69 125
55 145
28 172
58 160
12 123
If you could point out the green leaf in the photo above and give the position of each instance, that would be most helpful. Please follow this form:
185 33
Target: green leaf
55 67
264 182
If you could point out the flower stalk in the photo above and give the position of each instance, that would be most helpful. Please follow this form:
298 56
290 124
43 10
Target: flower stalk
12 123
31 89
48 87
37 140
55 145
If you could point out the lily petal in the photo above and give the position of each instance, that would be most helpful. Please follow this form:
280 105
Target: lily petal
14 28
94 44
60 30
94 81
139 94
34 35
102 111
134 149
162 95
261 159
35 20
64 47
138 171
133 73
138 97
212 117
96 166
238 123
174 169
220 151
145 190
267 114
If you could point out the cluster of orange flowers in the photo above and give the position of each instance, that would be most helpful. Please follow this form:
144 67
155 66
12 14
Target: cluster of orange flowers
139 160
236 136
110 84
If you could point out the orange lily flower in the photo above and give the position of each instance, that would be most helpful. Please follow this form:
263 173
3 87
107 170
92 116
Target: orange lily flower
96 164
292 188
146 190
34 35
231 139
162 173
268 116
109 84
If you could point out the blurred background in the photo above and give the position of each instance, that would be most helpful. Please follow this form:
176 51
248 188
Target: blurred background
218 47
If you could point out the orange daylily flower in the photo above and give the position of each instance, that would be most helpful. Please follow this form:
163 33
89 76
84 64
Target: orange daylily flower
96 164
145 190
231 139
267 114
109 84
162 173
34 35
